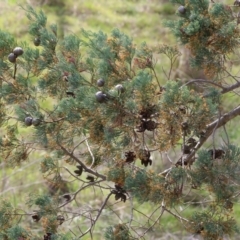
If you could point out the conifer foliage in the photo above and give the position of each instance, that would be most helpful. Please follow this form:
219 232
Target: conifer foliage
94 110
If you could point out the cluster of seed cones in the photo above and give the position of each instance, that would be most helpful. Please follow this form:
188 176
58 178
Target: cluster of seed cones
17 51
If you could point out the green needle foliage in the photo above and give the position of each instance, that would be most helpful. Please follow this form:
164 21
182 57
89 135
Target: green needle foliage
208 30
96 114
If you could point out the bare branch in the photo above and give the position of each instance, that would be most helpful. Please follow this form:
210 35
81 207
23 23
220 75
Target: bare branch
96 218
202 81
224 89
224 119
92 156
175 215
230 88
82 164
214 125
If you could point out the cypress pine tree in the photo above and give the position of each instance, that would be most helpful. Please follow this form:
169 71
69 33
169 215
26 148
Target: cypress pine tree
94 110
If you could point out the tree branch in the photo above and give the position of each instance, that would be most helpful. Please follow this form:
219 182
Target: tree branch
79 190
230 88
98 215
202 81
224 89
82 164
210 128
224 119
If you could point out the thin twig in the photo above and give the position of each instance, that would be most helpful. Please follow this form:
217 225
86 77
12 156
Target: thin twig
79 144
96 218
82 164
169 159
89 149
149 228
175 215
202 81
131 215
79 190
156 78
209 130
213 136
225 130
15 71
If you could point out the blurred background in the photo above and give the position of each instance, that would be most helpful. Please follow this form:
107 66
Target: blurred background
142 20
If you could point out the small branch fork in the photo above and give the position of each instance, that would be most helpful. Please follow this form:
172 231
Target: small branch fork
93 222
163 209
224 89
78 191
220 122
212 127
82 164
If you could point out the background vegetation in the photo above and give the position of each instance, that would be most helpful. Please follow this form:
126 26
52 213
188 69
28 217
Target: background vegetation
142 21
